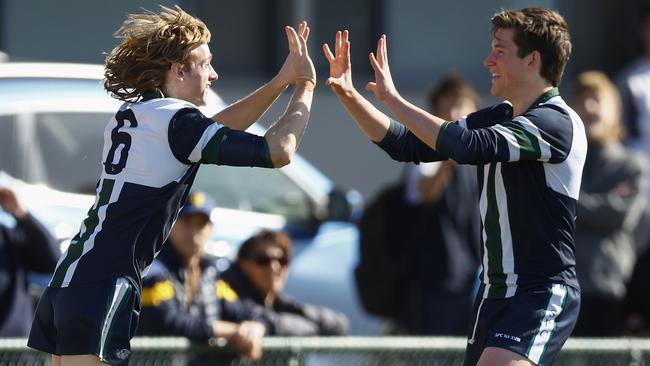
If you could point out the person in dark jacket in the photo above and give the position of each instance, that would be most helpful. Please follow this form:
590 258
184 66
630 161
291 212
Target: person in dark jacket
258 277
420 237
179 295
24 247
612 199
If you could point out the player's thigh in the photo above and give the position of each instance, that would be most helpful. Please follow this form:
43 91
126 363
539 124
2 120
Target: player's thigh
56 360
80 360
493 356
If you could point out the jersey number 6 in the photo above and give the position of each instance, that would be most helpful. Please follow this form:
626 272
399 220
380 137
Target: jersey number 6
119 139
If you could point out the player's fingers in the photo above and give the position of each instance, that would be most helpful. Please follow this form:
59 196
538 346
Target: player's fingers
328 53
338 43
384 49
371 86
303 45
374 63
305 31
287 31
292 36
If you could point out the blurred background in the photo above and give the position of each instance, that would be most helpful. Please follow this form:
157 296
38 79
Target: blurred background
426 40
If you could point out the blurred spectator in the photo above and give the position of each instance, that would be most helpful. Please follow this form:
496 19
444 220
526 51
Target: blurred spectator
612 199
420 237
24 247
258 277
634 84
179 295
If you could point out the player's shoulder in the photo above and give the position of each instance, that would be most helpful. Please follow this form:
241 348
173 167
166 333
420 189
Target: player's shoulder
490 116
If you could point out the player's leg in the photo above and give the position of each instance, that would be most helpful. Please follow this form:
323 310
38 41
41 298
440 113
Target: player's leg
56 360
493 356
81 360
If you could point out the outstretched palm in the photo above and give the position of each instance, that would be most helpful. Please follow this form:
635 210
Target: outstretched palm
298 65
340 79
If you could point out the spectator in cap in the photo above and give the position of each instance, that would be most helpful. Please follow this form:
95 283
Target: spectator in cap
179 296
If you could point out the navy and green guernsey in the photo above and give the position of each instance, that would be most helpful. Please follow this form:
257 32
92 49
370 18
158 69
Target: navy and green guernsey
529 172
152 152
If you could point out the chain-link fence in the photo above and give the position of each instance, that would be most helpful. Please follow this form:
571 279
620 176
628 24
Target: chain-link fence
357 351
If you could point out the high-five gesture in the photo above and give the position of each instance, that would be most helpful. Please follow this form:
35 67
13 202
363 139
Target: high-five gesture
340 79
383 85
298 64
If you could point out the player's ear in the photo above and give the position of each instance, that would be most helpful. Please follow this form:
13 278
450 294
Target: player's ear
177 70
534 58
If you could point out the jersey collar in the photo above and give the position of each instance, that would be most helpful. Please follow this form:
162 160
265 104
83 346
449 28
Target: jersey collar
547 95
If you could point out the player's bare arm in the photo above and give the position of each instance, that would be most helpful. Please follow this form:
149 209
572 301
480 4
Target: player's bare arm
372 121
424 125
243 113
284 136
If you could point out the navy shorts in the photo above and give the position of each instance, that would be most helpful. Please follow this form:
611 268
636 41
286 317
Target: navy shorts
98 318
534 323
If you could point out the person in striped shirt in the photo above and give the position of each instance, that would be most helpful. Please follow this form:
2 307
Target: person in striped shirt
153 148
529 152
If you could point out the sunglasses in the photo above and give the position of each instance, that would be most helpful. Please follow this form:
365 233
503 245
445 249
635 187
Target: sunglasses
265 260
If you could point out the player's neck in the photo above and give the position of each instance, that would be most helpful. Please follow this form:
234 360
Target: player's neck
523 101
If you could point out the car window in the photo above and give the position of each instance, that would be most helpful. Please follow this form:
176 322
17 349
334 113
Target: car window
255 189
59 149
63 150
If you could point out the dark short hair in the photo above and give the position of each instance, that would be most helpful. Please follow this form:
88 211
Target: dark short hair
277 238
452 85
542 30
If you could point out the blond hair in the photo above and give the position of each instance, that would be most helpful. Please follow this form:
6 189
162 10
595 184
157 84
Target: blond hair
598 83
151 43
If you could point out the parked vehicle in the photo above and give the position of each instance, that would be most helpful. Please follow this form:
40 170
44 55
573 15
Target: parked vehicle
52 118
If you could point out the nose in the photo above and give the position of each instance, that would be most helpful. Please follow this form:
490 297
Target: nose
275 265
213 74
488 62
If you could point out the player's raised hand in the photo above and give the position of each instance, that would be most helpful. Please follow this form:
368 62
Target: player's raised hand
340 79
383 85
298 65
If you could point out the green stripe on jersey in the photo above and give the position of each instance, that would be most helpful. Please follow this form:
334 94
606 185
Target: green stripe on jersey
210 153
528 144
75 250
493 245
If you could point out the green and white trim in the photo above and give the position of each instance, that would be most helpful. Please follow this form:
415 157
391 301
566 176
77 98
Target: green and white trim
546 329
109 192
116 303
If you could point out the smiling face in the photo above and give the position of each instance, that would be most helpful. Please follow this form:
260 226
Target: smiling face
195 80
507 68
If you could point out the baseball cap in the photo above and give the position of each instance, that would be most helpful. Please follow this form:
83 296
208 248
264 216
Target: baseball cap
197 202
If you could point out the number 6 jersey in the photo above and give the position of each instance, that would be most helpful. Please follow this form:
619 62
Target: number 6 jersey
152 152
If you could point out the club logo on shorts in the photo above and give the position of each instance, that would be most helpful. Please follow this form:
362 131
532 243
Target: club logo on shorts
507 336
122 354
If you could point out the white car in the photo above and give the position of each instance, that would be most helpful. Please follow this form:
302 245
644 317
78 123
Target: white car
52 118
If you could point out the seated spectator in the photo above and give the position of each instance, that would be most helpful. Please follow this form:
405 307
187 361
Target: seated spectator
179 296
24 247
258 277
612 199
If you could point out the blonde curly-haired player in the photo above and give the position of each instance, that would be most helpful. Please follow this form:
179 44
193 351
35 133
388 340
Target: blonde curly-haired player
153 148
